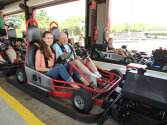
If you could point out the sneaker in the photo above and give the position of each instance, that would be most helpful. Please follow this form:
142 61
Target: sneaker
93 79
91 85
98 74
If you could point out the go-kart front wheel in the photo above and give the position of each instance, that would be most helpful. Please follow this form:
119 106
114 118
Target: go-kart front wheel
21 75
128 60
82 100
164 67
117 72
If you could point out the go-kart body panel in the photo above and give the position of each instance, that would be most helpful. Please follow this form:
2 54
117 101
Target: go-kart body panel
147 89
142 101
158 62
39 79
113 56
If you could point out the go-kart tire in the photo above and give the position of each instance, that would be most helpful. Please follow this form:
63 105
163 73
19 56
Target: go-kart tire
82 100
21 75
128 60
117 72
164 67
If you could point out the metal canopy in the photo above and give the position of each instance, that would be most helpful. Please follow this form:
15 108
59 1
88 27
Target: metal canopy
6 2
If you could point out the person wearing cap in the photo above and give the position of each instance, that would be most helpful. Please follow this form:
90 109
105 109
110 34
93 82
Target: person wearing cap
2 26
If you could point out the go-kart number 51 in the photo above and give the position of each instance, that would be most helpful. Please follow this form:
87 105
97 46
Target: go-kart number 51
36 78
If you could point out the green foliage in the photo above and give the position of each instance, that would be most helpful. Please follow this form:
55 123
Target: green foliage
43 20
72 24
135 27
16 22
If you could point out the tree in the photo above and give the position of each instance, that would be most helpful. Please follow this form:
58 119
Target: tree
16 22
72 24
43 20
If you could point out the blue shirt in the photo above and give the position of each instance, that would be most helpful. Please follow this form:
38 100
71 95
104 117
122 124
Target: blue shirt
60 52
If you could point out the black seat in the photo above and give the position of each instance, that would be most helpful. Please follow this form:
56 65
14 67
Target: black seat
12 36
55 31
160 53
34 36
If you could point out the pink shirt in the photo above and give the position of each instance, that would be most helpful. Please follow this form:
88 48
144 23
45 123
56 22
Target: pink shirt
51 60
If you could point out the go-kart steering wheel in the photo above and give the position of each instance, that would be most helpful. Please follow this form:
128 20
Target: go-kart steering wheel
64 58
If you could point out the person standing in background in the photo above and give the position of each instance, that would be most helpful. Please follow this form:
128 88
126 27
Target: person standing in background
2 26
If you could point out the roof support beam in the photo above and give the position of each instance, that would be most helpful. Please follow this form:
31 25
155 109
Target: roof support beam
27 14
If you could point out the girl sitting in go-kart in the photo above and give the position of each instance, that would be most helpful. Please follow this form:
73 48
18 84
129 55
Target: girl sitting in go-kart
110 48
91 71
45 52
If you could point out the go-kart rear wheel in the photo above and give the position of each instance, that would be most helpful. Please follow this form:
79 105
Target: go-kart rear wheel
21 75
82 100
117 72
164 67
128 60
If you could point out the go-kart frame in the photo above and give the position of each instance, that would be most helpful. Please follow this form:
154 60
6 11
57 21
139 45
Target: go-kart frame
33 79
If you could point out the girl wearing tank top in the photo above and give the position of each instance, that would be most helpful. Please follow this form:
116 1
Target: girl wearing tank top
52 70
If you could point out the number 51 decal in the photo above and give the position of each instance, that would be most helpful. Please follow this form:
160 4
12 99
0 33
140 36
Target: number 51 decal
36 78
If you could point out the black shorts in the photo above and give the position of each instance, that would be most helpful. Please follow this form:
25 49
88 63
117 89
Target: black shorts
2 32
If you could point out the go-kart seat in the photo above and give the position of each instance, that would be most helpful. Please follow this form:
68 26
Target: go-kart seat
34 36
55 31
160 53
12 35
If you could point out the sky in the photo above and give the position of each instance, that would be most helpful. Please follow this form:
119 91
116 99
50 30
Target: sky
146 11
63 11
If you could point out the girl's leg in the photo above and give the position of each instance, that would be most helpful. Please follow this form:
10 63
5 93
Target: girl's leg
60 70
120 51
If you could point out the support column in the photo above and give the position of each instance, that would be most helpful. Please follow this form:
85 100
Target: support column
108 3
93 21
34 15
27 14
87 40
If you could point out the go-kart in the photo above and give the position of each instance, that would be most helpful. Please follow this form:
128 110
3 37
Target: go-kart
158 61
141 100
12 38
98 53
58 93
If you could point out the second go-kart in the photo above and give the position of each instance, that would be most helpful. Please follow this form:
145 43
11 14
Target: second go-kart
98 53
81 104
142 100
158 61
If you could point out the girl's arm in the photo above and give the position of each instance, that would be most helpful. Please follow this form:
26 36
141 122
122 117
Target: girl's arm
38 67
107 50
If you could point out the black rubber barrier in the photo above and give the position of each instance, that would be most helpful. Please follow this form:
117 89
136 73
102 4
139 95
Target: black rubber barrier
87 118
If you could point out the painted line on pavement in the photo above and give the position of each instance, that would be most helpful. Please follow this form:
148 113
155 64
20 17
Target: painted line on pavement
28 116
